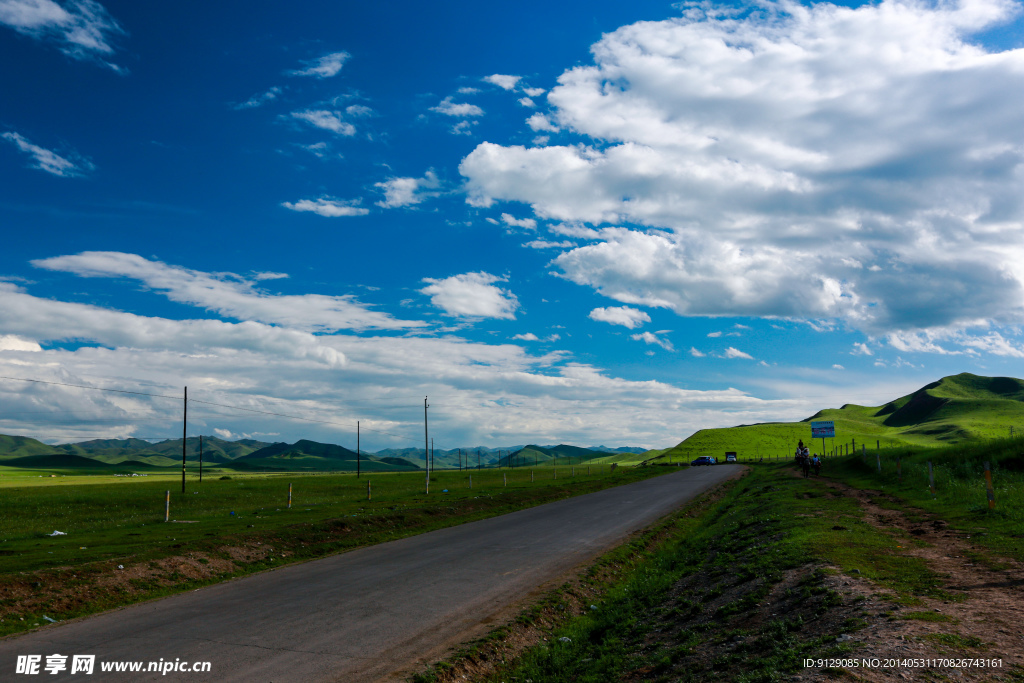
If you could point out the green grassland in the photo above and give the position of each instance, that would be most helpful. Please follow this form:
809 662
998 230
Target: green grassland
960 489
960 408
122 522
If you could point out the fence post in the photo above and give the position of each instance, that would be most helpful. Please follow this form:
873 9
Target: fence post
369 494
988 485
289 496
504 479
167 508
931 479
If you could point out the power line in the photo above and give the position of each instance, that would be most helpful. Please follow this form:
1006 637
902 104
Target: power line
296 417
82 386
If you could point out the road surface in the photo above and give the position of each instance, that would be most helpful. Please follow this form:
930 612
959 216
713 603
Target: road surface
370 614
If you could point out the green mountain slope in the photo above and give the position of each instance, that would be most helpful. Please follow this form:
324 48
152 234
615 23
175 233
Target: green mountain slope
305 455
20 446
955 409
115 450
562 454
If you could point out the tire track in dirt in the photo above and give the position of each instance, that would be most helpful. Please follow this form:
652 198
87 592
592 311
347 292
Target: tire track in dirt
988 609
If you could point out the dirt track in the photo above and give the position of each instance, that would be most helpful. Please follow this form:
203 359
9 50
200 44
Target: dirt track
991 610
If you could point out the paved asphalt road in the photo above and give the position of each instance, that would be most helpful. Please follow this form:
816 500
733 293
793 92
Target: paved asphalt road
368 614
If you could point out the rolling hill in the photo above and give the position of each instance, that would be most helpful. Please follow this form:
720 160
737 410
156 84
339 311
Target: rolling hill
562 454
954 409
314 456
215 450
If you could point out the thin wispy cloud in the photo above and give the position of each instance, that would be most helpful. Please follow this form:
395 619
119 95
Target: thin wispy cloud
328 207
327 66
652 338
81 29
326 120
43 159
229 294
257 101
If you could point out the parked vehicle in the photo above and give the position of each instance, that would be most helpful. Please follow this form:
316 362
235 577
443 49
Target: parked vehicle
703 460
730 457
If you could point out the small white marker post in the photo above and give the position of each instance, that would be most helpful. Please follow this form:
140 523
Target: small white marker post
289 496
167 507
504 479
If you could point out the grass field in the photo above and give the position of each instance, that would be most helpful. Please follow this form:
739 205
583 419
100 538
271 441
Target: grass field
960 488
122 523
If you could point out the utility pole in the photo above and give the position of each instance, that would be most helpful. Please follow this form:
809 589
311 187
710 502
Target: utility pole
426 444
358 451
184 432
200 458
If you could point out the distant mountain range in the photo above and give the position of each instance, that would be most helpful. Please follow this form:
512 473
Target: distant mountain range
248 455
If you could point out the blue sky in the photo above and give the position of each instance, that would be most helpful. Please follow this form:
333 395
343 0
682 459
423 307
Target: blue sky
591 222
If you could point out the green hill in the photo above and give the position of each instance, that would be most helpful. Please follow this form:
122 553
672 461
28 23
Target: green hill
562 454
305 455
215 450
20 446
955 409
66 461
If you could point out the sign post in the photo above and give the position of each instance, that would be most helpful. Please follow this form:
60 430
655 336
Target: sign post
823 430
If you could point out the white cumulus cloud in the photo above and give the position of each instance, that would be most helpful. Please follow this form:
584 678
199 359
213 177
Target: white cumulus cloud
460 109
408 191
503 81
620 315
801 161
472 295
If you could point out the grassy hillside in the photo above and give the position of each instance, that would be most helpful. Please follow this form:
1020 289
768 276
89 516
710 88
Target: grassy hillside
21 446
305 455
560 455
955 409
116 450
